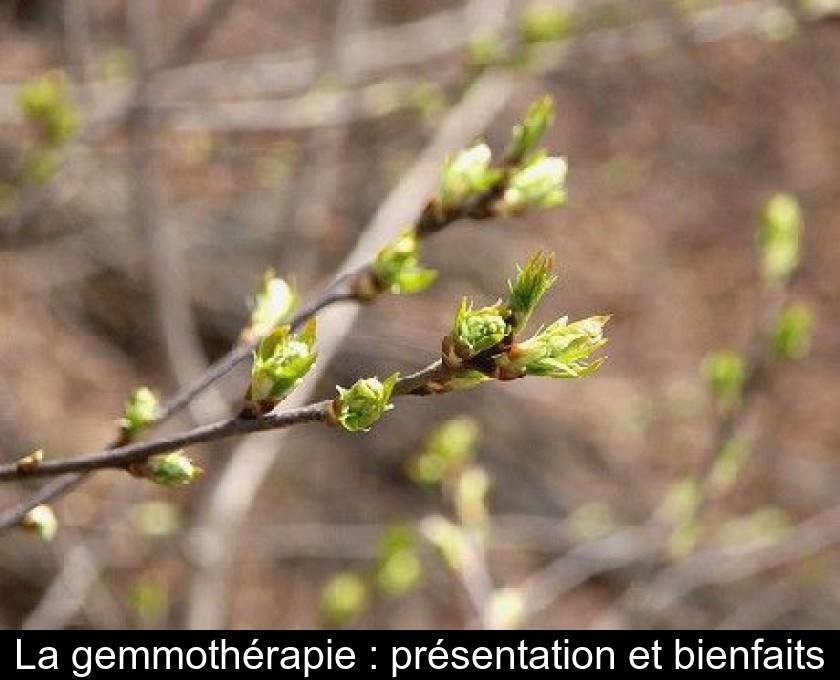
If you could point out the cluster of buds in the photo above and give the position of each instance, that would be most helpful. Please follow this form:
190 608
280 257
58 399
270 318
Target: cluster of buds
396 270
525 178
483 342
281 362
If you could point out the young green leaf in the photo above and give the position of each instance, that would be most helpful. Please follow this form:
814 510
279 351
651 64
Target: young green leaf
140 411
466 174
281 362
273 305
397 267
528 134
539 184
562 350
532 282
779 238
473 332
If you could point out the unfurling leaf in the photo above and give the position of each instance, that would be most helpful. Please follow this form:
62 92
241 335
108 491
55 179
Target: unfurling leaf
360 406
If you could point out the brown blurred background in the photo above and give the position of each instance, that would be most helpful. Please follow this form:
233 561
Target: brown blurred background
216 139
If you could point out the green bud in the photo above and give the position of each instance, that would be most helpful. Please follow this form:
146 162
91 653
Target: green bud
360 406
466 174
168 469
528 134
41 521
397 267
281 362
485 49
540 184
140 411
544 24
273 305
46 102
725 372
398 565
450 447
473 332
531 284
344 597
792 334
471 497
561 350
779 238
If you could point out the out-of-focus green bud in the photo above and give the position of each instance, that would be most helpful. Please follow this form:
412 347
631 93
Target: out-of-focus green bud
398 565
359 407
779 238
46 102
158 519
150 600
561 350
168 469
506 609
485 49
725 372
473 332
545 24
539 184
30 462
528 134
792 334
448 538
728 463
140 411
273 305
41 521
397 269
448 449
532 282
344 597
281 362
466 174
40 165
471 497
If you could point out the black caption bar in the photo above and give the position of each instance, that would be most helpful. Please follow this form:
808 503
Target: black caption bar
392 654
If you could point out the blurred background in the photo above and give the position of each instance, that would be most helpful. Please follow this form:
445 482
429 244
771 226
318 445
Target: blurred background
156 158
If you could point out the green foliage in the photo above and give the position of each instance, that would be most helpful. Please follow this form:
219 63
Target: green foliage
545 24
281 362
398 564
475 331
140 411
169 469
532 282
792 332
273 305
779 236
397 267
448 449
359 407
561 350
541 183
466 174
344 597
527 135
725 372
46 103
